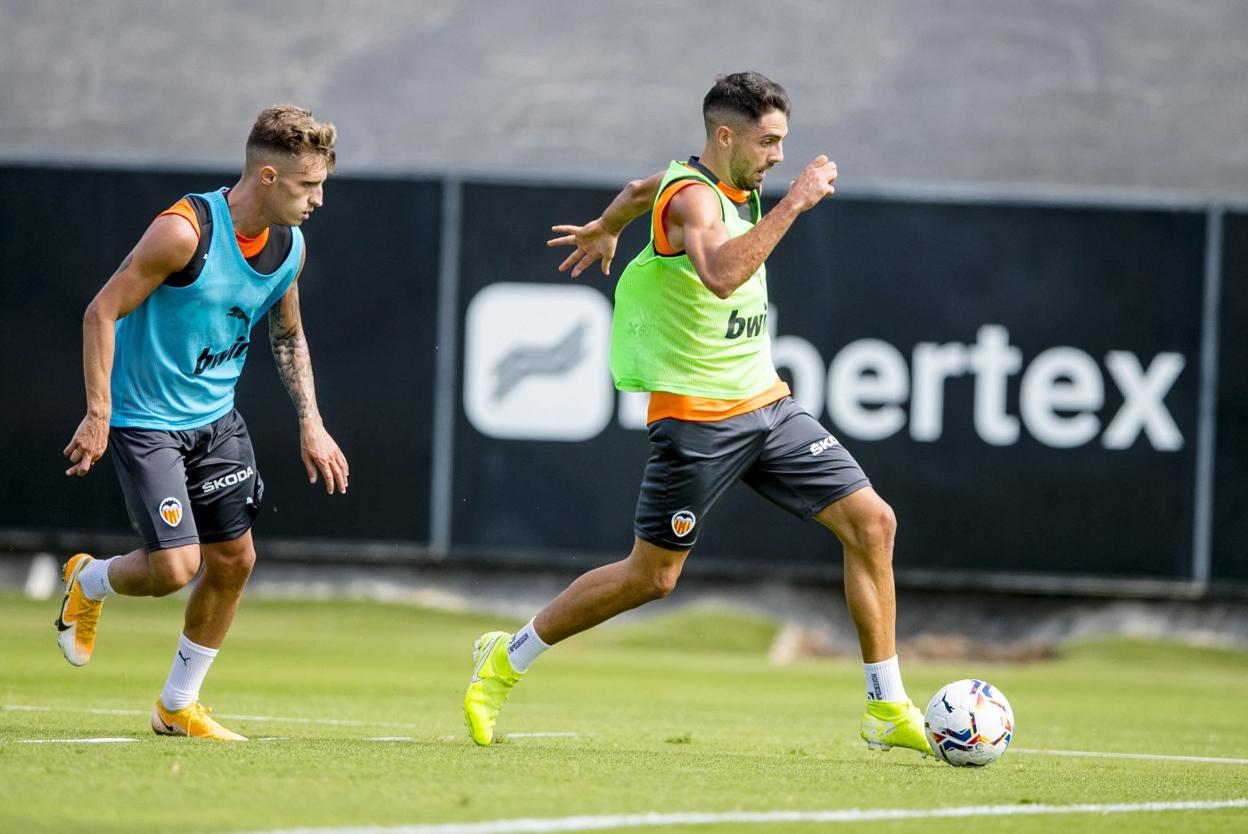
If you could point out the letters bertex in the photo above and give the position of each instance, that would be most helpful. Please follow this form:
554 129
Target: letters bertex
1060 392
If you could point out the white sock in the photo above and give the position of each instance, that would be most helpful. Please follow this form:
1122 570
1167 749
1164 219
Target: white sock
524 648
94 579
884 681
190 666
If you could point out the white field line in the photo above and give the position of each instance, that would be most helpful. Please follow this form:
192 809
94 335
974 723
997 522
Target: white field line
1146 756
333 722
75 740
337 722
601 823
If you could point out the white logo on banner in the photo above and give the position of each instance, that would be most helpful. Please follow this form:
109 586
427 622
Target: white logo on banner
1061 398
535 362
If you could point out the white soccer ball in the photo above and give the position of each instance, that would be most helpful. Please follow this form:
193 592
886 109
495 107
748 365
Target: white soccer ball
969 723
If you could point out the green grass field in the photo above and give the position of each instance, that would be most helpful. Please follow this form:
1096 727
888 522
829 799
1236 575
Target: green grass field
677 713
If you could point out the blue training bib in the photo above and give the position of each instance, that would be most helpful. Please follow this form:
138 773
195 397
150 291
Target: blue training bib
179 353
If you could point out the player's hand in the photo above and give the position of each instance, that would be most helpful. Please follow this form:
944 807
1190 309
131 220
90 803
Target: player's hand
321 455
593 242
88 445
814 183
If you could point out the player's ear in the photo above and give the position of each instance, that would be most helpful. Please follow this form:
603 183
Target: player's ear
723 136
268 175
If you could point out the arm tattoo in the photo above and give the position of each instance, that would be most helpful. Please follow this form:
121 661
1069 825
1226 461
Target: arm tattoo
294 364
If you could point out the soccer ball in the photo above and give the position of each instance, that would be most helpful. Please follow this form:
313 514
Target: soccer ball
969 723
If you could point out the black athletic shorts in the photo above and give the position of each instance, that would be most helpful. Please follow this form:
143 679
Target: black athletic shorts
188 487
779 450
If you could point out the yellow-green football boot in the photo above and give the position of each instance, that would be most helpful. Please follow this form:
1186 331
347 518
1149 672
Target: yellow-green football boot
889 724
492 680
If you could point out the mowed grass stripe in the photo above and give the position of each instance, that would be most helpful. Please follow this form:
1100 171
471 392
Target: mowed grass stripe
335 722
1147 757
616 822
329 722
681 713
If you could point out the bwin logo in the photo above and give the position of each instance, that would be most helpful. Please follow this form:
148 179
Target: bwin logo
208 358
527 361
751 326
227 480
823 445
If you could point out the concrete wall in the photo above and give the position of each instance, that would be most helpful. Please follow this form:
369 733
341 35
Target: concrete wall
1053 95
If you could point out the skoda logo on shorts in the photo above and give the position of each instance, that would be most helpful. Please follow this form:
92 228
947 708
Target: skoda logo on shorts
171 511
682 523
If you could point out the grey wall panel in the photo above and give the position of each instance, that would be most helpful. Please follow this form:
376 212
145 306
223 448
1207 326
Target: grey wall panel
1128 95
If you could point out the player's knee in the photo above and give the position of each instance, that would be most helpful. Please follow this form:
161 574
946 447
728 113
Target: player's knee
665 583
231 567
652 572
173 570
660 582
242 566
874 529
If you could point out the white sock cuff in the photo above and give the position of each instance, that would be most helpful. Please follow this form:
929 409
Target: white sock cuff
525 647
185 643
190 666
884 680
93 579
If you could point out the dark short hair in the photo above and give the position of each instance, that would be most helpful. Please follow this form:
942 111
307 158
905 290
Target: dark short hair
749 95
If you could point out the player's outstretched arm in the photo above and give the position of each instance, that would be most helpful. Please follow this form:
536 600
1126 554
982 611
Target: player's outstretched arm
294 363
725 263
166 247
596 240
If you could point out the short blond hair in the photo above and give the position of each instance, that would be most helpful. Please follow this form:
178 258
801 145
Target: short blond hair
291 131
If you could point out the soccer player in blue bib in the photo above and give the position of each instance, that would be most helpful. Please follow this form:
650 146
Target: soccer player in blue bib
164 342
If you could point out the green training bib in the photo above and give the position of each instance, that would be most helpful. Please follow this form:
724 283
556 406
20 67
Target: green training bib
670 333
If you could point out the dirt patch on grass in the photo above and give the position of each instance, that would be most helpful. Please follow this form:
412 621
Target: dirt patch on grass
795 642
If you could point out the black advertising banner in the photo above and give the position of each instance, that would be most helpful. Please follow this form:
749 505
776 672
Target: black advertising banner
369 299
1230 491
542 464
1019 382
63 232
369 296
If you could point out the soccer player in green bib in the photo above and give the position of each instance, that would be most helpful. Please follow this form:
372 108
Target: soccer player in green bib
690 328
